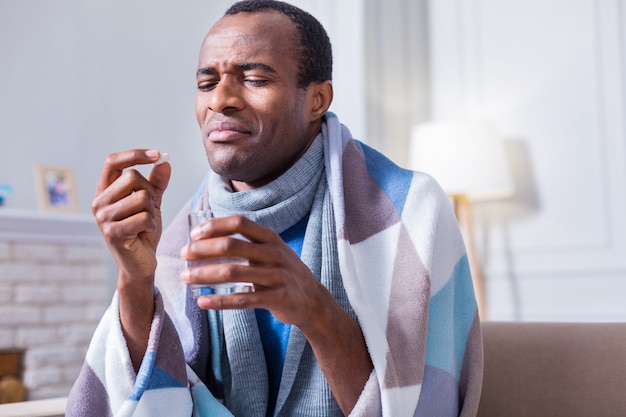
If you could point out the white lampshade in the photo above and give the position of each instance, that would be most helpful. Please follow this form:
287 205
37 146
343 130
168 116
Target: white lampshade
466 158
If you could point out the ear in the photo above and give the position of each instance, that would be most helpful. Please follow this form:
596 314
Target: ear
320 96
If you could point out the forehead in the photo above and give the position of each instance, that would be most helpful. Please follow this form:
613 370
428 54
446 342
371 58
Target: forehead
266 35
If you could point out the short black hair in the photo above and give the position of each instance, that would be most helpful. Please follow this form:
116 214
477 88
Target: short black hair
315 63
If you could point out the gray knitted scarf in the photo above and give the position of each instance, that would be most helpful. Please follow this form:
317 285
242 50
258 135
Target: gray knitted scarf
279 205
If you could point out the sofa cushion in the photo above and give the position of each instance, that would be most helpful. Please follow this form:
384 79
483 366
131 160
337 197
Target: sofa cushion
554 369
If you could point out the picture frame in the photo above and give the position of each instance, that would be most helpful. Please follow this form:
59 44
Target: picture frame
56 188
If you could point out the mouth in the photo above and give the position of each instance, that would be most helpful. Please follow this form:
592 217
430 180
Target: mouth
226 131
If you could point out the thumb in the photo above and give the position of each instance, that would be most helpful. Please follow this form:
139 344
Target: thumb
159 178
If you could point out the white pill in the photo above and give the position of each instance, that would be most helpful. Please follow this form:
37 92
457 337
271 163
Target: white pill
163 158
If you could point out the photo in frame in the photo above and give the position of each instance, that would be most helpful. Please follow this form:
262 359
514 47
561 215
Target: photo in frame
56 188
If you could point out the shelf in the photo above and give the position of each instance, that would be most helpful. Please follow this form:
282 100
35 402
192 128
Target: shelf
29 225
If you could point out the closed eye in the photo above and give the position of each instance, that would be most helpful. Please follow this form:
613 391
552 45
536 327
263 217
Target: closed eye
257 73
257 82
206 85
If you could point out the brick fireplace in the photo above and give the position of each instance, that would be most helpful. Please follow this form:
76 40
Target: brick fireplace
55 283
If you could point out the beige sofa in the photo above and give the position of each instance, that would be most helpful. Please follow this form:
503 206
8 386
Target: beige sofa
531 370
554 369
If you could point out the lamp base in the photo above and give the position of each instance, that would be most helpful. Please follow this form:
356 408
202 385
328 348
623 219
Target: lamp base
463 212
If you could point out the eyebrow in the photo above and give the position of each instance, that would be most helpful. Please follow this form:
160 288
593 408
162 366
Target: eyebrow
244 66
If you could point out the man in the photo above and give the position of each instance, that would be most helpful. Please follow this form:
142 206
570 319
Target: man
363 302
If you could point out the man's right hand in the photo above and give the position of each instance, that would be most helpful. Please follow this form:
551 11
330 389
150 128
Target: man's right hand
127 208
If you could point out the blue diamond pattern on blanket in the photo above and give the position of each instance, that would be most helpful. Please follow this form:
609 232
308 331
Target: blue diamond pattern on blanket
387 176
446 329
161 379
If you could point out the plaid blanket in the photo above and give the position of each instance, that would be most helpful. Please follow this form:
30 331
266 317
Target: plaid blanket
405 272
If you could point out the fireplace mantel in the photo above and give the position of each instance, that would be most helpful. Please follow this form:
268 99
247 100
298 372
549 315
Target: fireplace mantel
56 278
61 227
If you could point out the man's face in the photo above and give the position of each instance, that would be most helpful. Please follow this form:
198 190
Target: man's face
253 117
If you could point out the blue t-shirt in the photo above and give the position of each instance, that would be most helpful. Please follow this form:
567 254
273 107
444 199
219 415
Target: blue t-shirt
275 334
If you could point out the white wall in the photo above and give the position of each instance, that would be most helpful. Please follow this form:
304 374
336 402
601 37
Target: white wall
550 75
82 79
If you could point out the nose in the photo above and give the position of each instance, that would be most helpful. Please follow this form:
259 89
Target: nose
226 96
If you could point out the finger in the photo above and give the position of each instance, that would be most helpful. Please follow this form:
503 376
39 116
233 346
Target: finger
259 298
226 302
115 164
120 230
272 254
233 225
215 248
159 178
127 206
255 299
264 279
131 182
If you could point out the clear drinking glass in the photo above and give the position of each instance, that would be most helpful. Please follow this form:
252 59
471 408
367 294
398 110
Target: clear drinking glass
198 217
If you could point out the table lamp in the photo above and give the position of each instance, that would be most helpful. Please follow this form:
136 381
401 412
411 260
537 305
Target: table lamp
467 158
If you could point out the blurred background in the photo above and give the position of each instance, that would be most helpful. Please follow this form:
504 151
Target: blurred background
82 79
